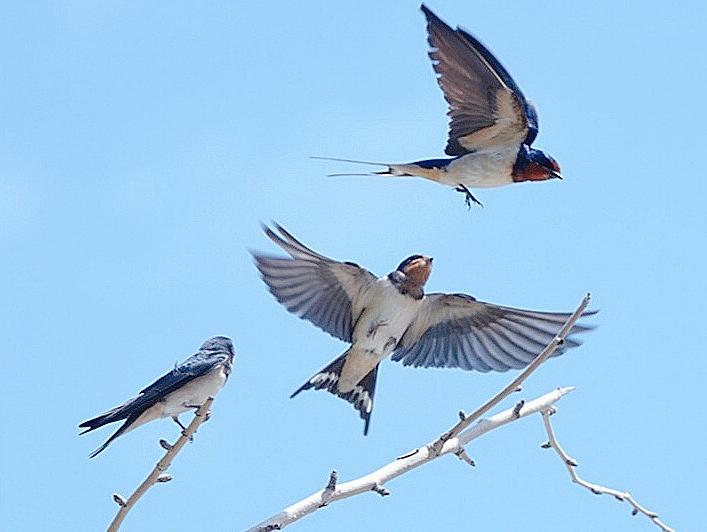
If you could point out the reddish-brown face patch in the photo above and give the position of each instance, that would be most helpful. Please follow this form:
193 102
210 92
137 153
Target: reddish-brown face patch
418 271
534 172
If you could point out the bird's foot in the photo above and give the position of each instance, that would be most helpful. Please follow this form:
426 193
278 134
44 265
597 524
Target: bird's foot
184 429
196 409
469 197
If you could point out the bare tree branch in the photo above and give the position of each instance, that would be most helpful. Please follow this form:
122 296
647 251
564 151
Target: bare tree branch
515 384
376 480
570 465
158 473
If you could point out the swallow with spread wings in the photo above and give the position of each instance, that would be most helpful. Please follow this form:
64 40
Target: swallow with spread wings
380 316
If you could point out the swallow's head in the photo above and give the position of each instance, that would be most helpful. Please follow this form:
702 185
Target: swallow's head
539 166
218 344
417 269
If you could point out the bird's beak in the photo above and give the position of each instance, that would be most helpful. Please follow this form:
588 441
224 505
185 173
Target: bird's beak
430 259
555 175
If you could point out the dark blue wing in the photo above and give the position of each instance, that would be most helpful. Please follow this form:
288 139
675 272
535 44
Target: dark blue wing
486 106
195 366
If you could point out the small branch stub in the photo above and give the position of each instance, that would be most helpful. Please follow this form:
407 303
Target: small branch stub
461 454
331 486
119 500
329 489
380 490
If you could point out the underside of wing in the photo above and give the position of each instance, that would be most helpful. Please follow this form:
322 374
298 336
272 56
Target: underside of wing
455 330
314 287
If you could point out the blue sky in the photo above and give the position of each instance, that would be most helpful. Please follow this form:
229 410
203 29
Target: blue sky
142 145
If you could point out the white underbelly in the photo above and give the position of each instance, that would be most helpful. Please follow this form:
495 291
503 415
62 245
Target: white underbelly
179 401
384 322
194 393
480 170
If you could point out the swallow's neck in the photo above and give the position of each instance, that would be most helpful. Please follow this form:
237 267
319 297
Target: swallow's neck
525 169
405 285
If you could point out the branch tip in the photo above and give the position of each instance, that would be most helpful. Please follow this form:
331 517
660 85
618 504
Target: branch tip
165 444
164 477
462 415
516 409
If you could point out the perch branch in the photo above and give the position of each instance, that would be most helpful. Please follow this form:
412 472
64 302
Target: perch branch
515 384
158 473
376 480
570 465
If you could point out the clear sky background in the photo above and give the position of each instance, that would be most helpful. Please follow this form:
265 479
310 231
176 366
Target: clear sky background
142 145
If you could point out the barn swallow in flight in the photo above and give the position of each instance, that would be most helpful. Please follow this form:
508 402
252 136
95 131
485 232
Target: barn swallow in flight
184 388
392 314
492 125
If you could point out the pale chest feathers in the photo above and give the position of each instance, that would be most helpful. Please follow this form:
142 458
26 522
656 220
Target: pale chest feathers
179 401
481 169
384 321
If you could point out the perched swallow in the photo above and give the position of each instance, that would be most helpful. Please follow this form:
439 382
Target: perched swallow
392 314
184 388
492 124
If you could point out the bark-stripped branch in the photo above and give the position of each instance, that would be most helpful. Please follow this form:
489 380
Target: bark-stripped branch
515 384
570 464
376 480
158 473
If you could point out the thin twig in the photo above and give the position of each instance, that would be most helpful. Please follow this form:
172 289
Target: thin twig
158 473
377 479
515 384
570 465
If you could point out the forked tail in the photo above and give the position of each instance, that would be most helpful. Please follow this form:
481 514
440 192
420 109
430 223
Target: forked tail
361 396
389 171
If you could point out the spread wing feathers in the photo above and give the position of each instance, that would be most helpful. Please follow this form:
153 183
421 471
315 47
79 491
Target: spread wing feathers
456 331
195 366
314 287
360 397
486 107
